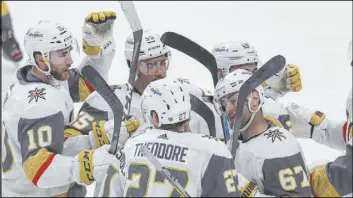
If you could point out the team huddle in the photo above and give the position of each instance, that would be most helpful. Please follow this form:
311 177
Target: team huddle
48 151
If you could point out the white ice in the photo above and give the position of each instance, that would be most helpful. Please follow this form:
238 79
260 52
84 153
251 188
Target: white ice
313 35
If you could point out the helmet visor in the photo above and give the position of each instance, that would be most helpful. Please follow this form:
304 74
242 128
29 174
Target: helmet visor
154 65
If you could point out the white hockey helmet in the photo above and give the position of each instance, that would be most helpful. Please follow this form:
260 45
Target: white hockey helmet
168 99
232 53
46 37
151 47
231 85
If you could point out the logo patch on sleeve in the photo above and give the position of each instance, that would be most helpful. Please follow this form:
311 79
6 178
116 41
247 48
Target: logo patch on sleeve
36 94
275 134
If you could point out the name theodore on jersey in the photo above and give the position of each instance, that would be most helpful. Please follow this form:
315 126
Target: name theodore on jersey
163 151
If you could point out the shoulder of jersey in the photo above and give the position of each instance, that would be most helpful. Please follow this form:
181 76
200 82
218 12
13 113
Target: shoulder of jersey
209 144
273 143
202 142
39 100
97 101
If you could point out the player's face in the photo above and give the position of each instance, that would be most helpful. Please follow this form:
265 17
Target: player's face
251 67
229 106
155 68
60 62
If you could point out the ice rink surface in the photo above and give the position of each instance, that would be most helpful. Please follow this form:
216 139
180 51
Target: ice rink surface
313 35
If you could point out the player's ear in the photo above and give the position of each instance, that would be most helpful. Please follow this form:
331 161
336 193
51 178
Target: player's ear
40 61
154 117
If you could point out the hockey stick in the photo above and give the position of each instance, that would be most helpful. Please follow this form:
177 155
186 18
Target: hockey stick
197 52
270 68
163 170
192 49
135 24
107 93
101 86
205 112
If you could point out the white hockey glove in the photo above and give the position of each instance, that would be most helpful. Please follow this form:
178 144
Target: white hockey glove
288 79
306 123
191 88
97 33
102 132
92 165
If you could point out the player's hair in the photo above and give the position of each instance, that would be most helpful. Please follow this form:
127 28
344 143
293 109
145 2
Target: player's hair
170 127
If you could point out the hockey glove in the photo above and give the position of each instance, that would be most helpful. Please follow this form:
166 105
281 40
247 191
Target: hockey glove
305 121
92 165
97 33
246 188
287 80
102 132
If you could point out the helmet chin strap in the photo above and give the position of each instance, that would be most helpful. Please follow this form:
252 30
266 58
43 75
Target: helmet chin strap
52 80
253 113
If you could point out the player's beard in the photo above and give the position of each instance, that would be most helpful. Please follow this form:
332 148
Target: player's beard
57 75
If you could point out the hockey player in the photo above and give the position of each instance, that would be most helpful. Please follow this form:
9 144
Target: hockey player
315 125
241 55
331 179
154 61
42 157
153 64
202 164
268 156
334 179
9 44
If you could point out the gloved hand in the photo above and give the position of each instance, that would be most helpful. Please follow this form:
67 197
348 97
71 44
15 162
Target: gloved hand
288 79
305 121
92 165
246 188
97 33
102 132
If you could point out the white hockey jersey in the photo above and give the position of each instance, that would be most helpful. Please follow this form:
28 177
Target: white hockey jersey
202 164
273 160
35 115
95 108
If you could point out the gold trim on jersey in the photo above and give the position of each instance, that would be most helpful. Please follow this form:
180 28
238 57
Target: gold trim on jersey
273 121
83 89
69 132
61 195
4 10
33 165
321 184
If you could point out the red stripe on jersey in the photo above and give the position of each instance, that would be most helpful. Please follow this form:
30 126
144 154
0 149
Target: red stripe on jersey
44 167
89 86
65 138
345 131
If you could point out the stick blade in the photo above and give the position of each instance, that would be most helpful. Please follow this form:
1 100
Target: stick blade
101 86
205 112
192 49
